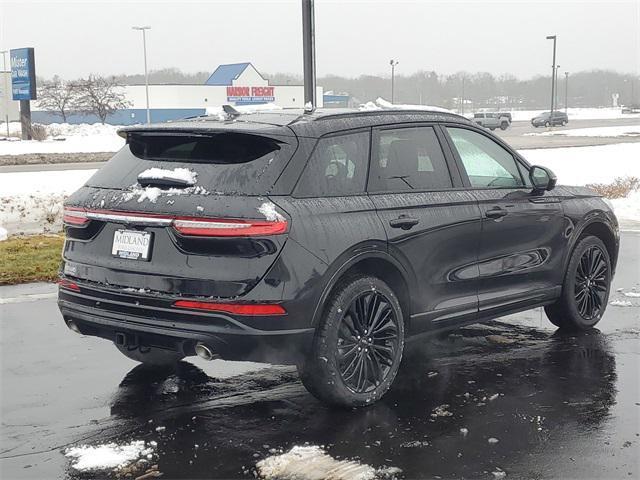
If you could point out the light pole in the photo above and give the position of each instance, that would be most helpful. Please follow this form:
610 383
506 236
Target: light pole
555 79
6 89
553 74
462 106
566 91
146 75
393 64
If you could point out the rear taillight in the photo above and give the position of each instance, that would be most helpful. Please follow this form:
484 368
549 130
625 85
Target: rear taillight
234 308
68 284
187 226
75 217
227 228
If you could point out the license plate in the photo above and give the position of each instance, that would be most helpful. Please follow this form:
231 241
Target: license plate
131 244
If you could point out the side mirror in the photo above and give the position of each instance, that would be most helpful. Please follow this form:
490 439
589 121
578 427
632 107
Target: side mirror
542 178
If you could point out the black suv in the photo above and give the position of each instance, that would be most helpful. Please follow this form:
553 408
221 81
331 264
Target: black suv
324 240
546 119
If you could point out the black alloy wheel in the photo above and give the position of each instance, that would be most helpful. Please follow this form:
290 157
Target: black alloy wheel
367 342
591 283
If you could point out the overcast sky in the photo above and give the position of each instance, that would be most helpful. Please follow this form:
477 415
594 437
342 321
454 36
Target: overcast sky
75 38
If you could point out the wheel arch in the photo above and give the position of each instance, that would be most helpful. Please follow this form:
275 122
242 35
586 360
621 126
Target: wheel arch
378 264
602 230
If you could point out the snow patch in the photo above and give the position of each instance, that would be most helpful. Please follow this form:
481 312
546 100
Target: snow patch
621 303
632 294
615 131
179 174
441 411
268 209
153 193
87 458
313 463
3 234
382 104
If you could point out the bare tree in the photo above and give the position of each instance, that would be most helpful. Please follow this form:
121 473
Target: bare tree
57 97
100 96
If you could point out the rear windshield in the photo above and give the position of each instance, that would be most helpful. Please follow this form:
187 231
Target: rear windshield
226 162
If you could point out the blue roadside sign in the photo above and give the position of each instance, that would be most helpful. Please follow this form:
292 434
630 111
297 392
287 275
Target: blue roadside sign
23 74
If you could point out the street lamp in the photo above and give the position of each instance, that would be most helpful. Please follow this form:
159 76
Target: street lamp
566 90
6 89
555 79
553 72
393 64
146 75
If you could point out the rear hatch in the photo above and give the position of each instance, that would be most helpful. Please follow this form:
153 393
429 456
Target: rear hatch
181 212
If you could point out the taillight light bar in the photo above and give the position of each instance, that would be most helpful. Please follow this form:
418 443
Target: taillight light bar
75 217
257 309
187 226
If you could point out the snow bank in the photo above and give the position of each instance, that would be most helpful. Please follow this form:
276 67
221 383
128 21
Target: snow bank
617 131
382 104
582 165
628 208
3 234
108 456
313 463
67 138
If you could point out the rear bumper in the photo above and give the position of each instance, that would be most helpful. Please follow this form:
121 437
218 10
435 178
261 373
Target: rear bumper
149 320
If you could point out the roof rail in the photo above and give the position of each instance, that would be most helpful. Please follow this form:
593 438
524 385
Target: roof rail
229 110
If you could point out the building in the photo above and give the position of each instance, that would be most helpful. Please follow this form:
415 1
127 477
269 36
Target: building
232 84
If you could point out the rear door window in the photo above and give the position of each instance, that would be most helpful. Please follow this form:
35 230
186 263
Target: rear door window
407 159
225 162
337 167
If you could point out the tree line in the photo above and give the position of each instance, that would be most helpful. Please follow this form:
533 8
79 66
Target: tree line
102 96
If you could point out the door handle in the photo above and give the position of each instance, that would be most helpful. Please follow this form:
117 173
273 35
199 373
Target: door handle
496 212
403 222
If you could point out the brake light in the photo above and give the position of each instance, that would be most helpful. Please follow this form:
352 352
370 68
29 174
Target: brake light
75 217
234 308
227 228
68 284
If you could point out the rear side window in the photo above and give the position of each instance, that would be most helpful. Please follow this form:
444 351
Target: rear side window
226 162
487 164
408 159
337 167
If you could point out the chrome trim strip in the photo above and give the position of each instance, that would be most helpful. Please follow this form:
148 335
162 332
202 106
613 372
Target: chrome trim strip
140 220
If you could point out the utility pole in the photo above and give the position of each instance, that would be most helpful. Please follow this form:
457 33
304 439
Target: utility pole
566 91
309 54
5 89
146 74
553 73
462 107
393 64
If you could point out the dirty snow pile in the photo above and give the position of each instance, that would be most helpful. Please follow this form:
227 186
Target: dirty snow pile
616 131
183 175
67 138
108 456
382 104
313 463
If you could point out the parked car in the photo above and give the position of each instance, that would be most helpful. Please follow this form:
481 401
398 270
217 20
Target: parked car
492 120
547 120
633 108
324 240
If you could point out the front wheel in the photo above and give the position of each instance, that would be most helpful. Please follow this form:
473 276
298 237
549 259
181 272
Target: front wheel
547 124
585 291
357 348
151 355
504 126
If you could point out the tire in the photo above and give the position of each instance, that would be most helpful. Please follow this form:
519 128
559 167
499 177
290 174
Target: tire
563 123
547 124
492 128
586 287
504 126
345 367
151 355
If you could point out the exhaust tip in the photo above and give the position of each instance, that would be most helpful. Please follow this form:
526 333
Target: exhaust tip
73 326
204 352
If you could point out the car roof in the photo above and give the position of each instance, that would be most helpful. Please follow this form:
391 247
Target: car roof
305 124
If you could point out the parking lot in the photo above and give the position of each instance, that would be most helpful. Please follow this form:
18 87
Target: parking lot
512 398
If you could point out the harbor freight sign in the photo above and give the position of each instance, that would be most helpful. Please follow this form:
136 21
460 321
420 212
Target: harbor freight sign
249 95
23 74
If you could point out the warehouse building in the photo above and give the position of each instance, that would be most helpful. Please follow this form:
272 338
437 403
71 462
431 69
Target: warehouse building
231 84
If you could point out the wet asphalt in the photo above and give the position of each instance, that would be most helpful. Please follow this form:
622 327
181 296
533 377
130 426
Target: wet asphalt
559 405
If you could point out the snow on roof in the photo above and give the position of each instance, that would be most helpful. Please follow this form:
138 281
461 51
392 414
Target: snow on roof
226 74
